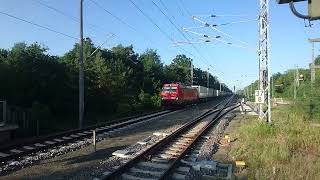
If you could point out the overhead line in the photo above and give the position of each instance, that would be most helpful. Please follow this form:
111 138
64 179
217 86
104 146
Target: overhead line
155 24
111 14
73 18
179 30
214 28
219 15
217 38
235 22
196 42
38 25
188 12
57 10
123 22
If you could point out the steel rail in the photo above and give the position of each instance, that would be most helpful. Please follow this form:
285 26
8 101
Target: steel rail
107 127
176 162
155 147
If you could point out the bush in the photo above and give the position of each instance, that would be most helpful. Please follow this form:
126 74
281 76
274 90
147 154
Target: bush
149 101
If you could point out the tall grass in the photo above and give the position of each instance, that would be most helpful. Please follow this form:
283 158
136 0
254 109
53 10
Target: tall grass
289 148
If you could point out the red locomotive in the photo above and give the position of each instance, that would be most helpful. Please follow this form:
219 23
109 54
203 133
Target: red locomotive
178 94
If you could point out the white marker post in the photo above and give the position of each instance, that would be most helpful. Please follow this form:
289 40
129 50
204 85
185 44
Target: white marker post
94 140
241 105
4 113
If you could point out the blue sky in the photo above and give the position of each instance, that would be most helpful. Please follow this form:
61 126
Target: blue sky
288 36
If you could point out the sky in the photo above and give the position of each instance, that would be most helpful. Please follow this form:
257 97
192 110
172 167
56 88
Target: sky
147 27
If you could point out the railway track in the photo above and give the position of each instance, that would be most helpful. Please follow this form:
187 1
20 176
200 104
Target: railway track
17 151
161 159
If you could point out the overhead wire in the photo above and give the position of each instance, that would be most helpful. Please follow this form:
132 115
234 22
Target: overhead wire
216 29
235 22
111 14
73 18
125 23
178 29
39 25
189 42
156 25
219 15
190 15
217 38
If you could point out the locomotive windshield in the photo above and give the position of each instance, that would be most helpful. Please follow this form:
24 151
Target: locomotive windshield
169 89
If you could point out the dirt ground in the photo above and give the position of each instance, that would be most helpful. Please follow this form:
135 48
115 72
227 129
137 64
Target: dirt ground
67 165
222 155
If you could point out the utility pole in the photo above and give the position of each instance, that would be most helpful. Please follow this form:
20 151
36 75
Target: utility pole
208 82
312 65
208 78
295 82
81 69
250 89
312 69
247 92
191 72
272 86
264 74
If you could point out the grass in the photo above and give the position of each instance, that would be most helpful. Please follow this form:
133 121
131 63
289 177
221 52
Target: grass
289 148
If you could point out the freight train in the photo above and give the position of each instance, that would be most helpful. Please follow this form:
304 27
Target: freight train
177 94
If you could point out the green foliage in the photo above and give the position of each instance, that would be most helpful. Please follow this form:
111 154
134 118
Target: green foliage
117 81
279 150
317 60
308 96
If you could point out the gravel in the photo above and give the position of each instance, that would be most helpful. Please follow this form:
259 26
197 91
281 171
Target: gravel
113 162
58 167
212 144
63 149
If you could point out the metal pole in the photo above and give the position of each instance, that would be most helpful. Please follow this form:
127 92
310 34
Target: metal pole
260 59
4 113
295 84
208 78
251 90
81 69
298 77
272 85
191 73
264 66
313 71
94 140
208 83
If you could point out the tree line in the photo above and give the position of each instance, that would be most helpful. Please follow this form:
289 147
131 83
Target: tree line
307 94
118 81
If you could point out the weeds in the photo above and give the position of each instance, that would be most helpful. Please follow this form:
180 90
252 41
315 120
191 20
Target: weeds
289 148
